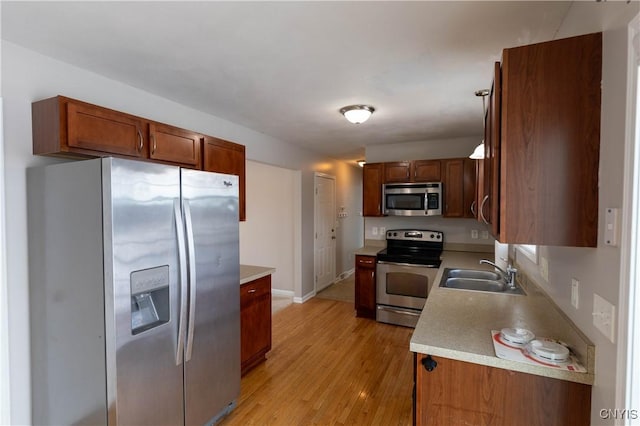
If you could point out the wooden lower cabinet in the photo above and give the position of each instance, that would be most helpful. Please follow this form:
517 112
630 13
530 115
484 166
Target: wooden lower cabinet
255 322
365 287
462 393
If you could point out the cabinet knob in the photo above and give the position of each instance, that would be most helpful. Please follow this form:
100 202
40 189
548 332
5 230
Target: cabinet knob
429 363
253 290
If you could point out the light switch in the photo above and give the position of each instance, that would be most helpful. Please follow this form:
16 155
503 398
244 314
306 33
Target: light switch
604 317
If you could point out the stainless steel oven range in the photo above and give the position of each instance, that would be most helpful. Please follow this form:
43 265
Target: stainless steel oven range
405 271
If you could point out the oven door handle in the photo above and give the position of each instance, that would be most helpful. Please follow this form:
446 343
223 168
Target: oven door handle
398 311
413 265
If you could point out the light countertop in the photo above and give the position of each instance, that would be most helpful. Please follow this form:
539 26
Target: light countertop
251 272
457 324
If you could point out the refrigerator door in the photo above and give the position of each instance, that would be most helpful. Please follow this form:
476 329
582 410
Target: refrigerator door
212 353
142 293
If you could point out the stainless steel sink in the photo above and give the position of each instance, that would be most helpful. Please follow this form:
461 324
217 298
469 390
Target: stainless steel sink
473 273
477 280
479 284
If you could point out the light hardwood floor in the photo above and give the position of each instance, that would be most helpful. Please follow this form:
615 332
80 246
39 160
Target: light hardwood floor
327 367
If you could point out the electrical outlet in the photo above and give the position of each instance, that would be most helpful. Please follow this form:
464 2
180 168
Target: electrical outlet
474 234
575 293
485 235
604 317
544 268
383 230
374 230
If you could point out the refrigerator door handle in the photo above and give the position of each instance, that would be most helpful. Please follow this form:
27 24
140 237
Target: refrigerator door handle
182 260
191 254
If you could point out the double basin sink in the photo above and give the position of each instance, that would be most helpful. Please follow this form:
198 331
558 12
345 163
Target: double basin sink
478 280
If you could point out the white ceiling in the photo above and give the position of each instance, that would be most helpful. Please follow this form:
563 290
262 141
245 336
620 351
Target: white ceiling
286 68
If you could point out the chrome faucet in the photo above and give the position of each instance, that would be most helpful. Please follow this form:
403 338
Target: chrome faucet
509 276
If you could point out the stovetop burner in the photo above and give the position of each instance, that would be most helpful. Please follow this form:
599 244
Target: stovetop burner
413 246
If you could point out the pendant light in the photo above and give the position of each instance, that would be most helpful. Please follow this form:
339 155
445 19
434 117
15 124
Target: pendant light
478 152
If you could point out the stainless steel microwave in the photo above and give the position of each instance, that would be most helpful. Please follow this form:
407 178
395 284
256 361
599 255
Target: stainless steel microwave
412 199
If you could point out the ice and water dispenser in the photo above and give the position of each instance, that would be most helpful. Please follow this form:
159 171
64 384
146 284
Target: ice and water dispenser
149 298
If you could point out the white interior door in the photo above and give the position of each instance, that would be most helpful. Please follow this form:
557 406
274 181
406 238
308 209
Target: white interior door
325 230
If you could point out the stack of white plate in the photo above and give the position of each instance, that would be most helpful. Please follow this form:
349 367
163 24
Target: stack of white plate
516 336
546 351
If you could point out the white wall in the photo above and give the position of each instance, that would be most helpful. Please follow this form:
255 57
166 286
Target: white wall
268 237
350 229
597 269
425 150
456 231
28 76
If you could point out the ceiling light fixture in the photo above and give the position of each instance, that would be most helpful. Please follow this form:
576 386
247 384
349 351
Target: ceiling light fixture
357 114
478 152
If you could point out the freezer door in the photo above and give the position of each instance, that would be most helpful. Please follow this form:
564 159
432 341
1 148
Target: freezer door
212 353
142 303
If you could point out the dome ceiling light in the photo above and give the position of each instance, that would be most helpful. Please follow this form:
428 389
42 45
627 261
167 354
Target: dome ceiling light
357 114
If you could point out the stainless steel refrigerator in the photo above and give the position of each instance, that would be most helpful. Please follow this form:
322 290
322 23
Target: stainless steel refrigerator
134 293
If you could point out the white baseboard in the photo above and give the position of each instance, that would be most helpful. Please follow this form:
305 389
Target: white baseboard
304 298
344 275
283 293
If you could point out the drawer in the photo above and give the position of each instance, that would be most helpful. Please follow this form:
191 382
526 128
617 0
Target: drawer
365 261
255 288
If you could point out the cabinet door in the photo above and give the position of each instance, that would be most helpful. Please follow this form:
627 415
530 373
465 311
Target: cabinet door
175 145
372 189
426 171
226 157
399 171
469 187
90 127
255 322
551 96
493 186
365 286
453 183
462 393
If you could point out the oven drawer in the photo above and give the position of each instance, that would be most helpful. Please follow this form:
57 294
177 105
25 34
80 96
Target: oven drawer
398 316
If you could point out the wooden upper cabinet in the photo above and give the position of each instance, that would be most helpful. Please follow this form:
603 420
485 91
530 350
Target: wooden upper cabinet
69 127
175 145
222 156
426 171
453 183
397 171
412 171
550 142
459 181
469 187
372 175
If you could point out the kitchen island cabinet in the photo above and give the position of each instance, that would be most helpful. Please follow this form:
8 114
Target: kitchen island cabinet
456 392
470 384
255 316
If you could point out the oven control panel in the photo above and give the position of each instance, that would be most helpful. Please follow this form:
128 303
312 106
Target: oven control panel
414 235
